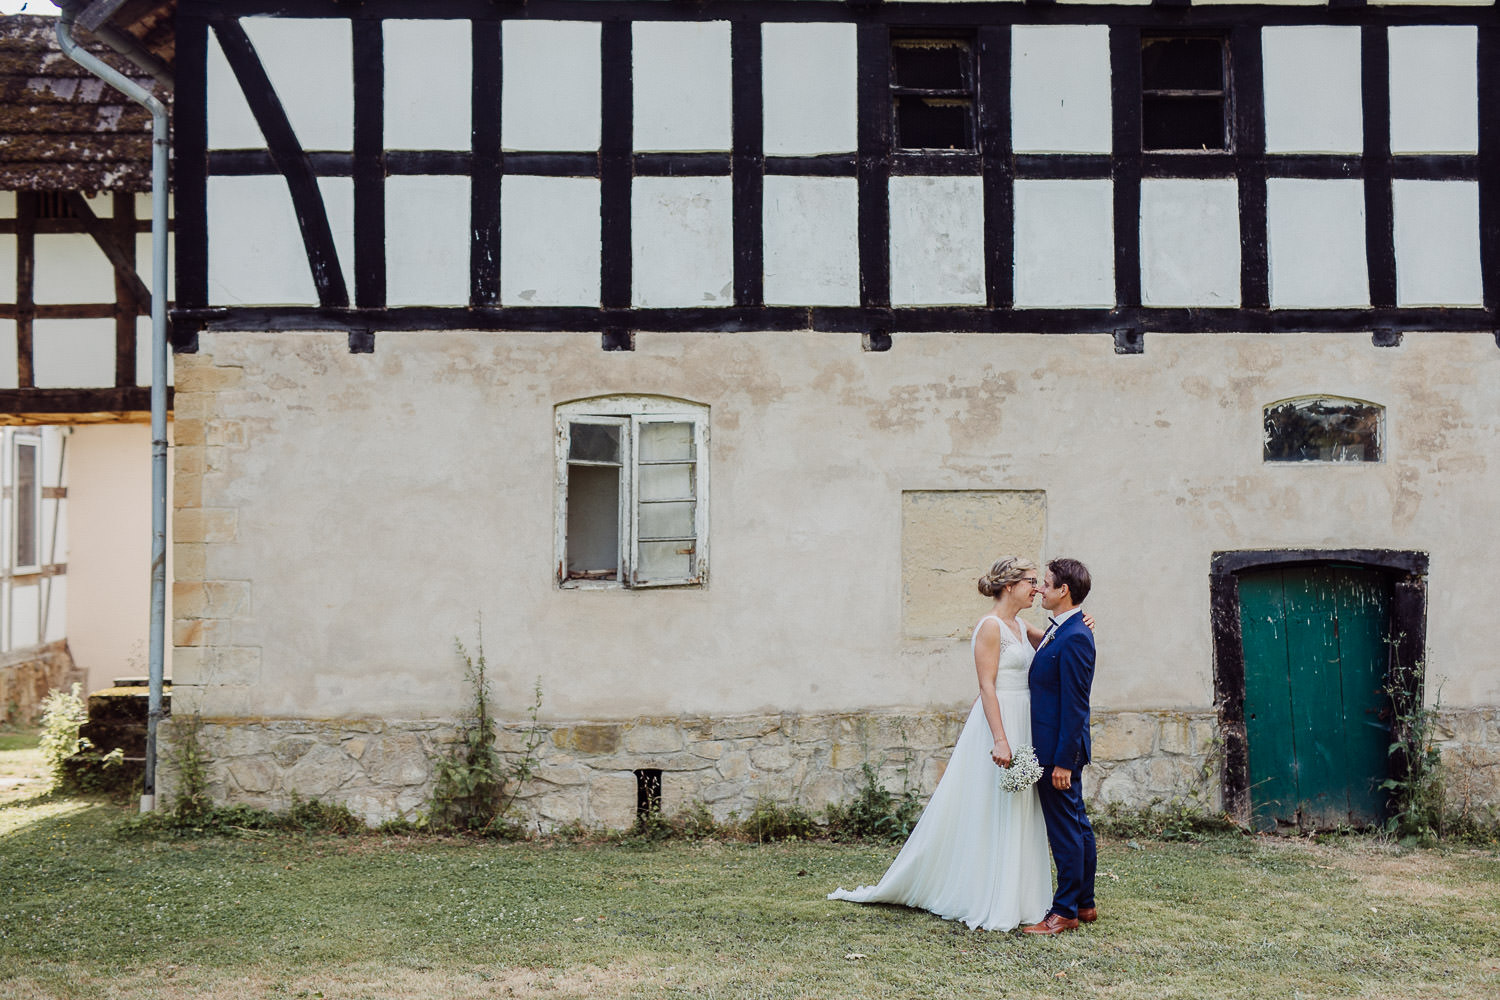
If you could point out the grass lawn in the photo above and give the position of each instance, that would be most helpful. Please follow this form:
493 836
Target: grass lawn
86 914
20 764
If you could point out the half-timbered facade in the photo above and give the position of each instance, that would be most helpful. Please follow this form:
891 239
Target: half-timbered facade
472 297
74 369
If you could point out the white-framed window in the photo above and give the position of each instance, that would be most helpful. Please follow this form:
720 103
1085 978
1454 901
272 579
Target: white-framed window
632 493
26 481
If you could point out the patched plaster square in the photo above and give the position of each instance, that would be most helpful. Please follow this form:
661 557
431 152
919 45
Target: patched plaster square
948 541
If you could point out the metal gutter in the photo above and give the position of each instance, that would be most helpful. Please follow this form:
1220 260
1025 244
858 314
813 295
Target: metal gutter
159 149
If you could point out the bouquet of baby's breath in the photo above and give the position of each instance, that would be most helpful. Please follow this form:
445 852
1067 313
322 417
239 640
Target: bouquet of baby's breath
1024 771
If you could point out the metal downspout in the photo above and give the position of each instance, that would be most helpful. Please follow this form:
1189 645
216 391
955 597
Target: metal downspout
159 148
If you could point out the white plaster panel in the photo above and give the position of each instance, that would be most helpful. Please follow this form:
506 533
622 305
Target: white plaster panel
937 241
57 606
428 84
143 206
25 615
681 240
7 204
1434 89
70 267
310 62
681 85
1437 243
1064 244
550 96
812 241
427 241
1190 242
549 241
73 353
102 205
231 125
143 263
1060 89
7 268
255 251
809 88
143 354
1316 242
1312 88
8 378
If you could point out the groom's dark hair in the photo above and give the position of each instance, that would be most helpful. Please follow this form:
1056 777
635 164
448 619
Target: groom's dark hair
1072 574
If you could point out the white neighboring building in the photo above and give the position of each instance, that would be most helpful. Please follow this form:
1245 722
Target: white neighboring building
74 372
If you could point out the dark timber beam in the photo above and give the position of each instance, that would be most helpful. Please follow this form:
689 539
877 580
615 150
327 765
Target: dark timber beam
302 182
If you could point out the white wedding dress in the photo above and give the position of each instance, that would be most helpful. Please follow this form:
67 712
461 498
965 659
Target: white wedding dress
978 854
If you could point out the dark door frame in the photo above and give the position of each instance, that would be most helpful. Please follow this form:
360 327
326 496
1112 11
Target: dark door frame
1408 574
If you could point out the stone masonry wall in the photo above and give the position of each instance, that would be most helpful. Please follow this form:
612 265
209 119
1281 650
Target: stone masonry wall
1469 740
27 675
585 770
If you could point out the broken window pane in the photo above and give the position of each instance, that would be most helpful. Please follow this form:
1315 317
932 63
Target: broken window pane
932 93
594 443
1322 429
593 522
1184 93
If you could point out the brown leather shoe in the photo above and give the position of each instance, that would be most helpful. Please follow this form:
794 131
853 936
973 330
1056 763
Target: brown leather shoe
1052 923
1087 914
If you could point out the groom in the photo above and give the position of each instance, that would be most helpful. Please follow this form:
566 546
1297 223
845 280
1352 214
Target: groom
1061 675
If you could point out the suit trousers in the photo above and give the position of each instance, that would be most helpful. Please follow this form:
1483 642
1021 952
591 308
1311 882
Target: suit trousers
1071 836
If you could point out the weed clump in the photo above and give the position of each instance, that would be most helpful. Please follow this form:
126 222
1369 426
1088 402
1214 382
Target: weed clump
476 787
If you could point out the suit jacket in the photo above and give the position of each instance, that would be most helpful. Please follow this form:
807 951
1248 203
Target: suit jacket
1062 675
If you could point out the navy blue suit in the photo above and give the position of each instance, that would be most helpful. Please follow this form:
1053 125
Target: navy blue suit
1062 674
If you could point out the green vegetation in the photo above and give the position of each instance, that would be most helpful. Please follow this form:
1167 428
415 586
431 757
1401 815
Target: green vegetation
85 914
476 786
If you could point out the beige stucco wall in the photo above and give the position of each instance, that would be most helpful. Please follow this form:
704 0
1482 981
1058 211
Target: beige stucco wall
345 517
109 558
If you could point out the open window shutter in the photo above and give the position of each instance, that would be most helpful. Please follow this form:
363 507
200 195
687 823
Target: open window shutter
593 524
667 514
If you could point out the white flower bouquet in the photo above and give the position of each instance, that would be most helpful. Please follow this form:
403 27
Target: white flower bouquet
1024 771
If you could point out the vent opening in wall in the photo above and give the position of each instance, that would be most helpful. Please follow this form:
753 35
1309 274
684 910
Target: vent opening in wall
1184 93
1323 429
932 92
647 793
54 205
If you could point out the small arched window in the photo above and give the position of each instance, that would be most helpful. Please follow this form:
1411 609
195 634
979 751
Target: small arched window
1323 429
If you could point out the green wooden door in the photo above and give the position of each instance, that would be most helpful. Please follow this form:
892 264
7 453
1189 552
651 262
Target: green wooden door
1315 668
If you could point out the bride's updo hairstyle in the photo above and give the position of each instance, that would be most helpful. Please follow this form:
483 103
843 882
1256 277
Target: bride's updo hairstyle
1006 571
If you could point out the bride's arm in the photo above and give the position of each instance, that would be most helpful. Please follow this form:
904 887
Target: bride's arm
1033 634
986 665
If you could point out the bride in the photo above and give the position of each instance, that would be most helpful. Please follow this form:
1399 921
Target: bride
979 854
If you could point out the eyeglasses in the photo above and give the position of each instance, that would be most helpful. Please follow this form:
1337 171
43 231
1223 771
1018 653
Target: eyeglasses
1028 579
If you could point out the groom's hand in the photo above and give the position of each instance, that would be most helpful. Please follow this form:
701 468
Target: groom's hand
1062 779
